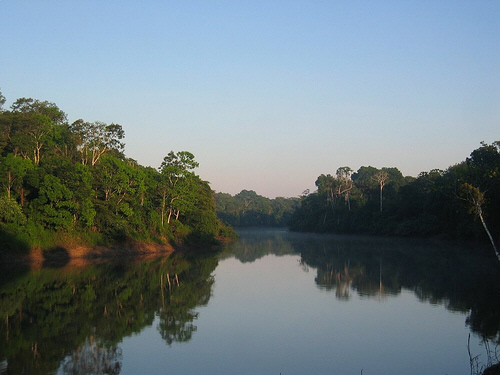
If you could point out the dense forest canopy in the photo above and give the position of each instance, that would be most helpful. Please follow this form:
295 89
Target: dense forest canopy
248 209
462 201
57 177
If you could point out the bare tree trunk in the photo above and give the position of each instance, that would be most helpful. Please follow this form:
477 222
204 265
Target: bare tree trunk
475 198
489 234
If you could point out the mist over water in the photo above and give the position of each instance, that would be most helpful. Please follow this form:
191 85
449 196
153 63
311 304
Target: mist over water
272 302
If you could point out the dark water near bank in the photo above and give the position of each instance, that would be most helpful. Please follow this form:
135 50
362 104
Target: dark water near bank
273 302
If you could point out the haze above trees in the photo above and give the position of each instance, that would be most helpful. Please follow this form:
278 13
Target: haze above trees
57 177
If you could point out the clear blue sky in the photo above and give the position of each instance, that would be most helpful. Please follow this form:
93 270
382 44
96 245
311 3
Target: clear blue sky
266 94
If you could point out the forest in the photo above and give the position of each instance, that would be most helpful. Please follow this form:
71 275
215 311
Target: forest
61 180
249 209
73 180
461 202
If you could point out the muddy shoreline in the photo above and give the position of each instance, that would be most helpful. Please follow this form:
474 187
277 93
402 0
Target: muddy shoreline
81 255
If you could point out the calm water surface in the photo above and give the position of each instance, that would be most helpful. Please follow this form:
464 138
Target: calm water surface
273 302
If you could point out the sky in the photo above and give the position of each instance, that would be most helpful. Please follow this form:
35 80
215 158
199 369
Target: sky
267 95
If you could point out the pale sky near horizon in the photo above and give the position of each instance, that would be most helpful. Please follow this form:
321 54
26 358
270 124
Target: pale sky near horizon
267 95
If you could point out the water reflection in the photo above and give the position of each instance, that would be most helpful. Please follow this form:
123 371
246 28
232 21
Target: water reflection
457 277
72 319
93 357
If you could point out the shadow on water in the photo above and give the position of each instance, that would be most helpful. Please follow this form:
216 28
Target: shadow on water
56 257
14 254
11 243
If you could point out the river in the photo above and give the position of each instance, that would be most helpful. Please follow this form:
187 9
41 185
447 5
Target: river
272 302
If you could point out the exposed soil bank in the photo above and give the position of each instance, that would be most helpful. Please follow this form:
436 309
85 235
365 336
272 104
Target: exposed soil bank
79 255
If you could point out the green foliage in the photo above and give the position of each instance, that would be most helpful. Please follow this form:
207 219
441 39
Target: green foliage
382 201
13 169
10 211
75 178
93 140
54 206
62 311
248 209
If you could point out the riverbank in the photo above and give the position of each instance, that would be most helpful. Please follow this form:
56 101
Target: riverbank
64 254
68 249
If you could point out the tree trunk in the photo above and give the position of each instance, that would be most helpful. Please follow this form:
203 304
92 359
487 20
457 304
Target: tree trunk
9 184
22 197
381 188
163 205
489 234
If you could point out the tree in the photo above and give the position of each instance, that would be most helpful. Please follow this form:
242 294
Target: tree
2 101
10 211
45 108
200 212
381 177
78 179
13 169
484 165
76 176
113 181
32 126
95 139
54 207
179 164
345 183
364 181
174 185
475 198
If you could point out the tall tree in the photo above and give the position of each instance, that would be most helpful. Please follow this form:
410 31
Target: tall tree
381 177
363 179
94 139
32 126
176 172
13 169
475 198
344 183
45 108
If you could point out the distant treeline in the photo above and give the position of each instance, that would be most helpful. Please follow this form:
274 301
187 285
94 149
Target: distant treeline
248 209
462 201
74 179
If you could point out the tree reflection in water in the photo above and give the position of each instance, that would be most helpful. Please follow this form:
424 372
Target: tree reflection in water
460 278
71 320
64 319
93 357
